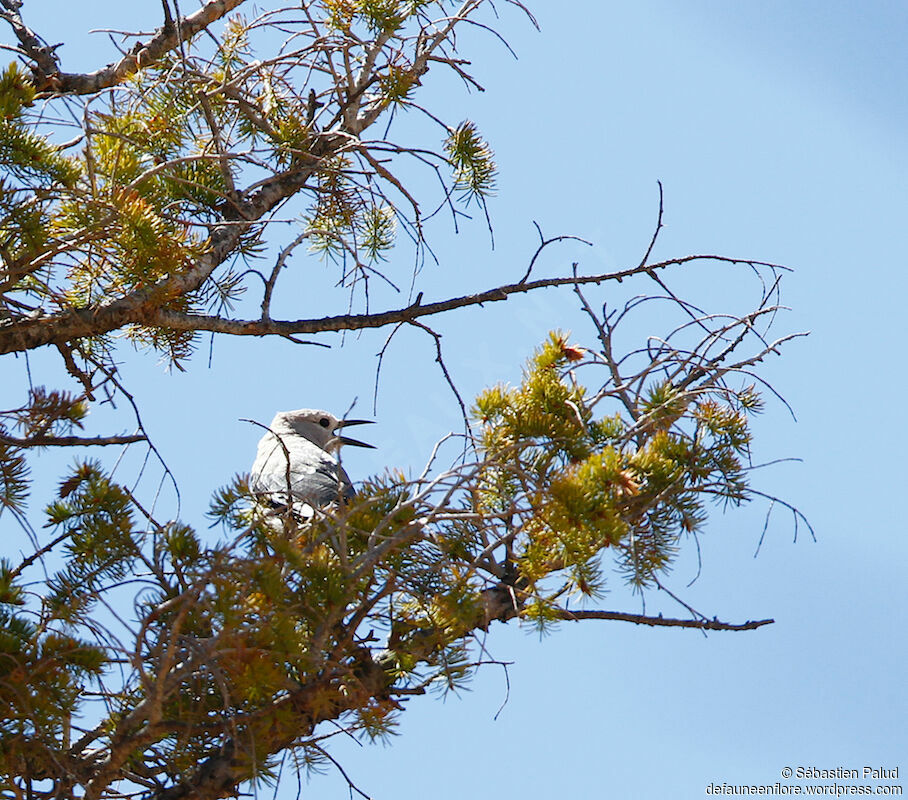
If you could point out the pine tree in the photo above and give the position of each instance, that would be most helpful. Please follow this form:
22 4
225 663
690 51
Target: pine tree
153 225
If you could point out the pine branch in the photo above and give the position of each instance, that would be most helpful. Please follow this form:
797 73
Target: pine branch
43 57
143 54
142 306
20 334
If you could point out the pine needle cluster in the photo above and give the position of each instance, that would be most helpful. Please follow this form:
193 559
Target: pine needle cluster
573 485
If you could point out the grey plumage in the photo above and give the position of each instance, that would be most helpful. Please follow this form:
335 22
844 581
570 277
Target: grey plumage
297 459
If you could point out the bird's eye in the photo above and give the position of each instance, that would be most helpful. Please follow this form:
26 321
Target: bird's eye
325 422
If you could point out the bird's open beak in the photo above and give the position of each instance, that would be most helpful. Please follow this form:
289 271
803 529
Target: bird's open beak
354 442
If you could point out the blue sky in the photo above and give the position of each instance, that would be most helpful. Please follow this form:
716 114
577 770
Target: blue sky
778 131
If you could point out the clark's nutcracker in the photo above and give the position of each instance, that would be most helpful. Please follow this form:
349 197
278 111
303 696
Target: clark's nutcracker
297 460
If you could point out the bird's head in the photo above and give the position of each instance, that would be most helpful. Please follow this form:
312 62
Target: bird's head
319 427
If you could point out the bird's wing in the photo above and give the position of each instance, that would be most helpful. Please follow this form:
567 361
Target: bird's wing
315 476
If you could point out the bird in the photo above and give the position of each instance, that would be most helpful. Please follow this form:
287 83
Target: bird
297 464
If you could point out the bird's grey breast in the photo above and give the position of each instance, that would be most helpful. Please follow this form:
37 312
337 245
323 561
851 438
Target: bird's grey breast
290 464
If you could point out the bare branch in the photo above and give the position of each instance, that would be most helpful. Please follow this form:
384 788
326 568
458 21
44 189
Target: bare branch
71 441
263 327
668 622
